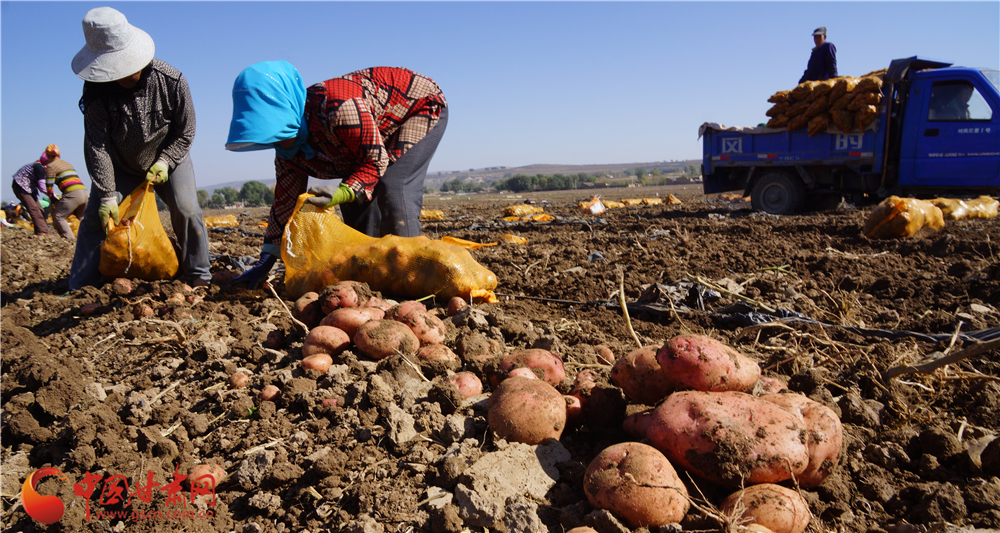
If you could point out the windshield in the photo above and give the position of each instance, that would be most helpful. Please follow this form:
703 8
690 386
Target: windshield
994 77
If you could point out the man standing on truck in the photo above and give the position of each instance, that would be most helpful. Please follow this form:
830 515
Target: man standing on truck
823 61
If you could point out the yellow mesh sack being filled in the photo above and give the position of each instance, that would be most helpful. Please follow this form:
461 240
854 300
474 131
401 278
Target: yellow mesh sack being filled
318 249
138 247
899 217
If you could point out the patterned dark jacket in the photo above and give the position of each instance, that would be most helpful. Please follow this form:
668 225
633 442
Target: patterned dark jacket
128 130
359 124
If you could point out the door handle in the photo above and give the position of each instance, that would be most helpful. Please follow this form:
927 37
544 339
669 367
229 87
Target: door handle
931 132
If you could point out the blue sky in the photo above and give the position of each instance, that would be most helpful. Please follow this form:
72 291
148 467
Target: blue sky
526 82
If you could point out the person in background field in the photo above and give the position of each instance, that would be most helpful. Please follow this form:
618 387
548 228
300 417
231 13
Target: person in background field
138 122
74 195
27 182
823 61
375 129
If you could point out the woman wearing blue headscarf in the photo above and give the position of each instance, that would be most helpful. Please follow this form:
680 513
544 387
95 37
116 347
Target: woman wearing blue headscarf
375 129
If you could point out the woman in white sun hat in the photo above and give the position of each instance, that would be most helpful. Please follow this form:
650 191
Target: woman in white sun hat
139 124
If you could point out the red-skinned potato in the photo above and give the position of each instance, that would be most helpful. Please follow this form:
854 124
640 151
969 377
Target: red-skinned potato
307 309
824 435
729 438
349 318
269 393
780 509
604 354
206 475
437 352
89 309
640 377
771 385
400 310
381 303
697 362
522 372
380 338
427 327
574 410
122 287
636 483
325 339
551 365
526 410
238 380
455 304
317 361
344 294
467 383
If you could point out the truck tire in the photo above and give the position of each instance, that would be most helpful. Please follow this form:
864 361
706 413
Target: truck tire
778 193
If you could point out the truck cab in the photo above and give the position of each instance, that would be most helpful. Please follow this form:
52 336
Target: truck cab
950 134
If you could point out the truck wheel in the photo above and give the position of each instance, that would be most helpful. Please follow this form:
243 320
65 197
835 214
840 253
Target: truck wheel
778 193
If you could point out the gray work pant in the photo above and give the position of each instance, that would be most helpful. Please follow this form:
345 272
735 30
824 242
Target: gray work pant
399 194
72 203
181 197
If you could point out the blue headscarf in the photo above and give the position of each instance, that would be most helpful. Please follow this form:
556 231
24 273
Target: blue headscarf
269 102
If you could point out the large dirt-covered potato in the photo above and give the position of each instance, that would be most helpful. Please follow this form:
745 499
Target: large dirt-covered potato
636 483
381 338
325 339
730 438
640 377
824 435
780 509
697 362
344 294
349 318
526 410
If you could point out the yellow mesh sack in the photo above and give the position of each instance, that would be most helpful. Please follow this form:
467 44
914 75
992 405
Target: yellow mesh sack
138 247
226 221
899 217
954 209
632 201
318 249
611 204
431 214
521 210
652 201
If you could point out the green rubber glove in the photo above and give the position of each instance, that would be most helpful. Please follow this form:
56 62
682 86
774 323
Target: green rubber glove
157 173
108 210
327 196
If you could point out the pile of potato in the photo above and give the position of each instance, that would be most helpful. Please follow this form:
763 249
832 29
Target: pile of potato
848 103
708 422
714 416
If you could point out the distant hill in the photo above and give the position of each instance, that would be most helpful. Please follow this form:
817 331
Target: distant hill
491 174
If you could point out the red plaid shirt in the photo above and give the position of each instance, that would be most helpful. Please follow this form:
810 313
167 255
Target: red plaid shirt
358 124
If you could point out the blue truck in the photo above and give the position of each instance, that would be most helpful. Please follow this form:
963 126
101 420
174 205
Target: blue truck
914 149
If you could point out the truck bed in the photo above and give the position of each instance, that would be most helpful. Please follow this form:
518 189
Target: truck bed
763 147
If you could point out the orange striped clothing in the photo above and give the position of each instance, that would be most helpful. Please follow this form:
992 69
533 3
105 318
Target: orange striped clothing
61 173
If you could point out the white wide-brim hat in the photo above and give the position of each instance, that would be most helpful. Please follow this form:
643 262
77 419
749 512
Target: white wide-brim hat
115 49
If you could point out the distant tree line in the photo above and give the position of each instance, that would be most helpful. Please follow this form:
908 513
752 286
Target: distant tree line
252 194
461 186
544 182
